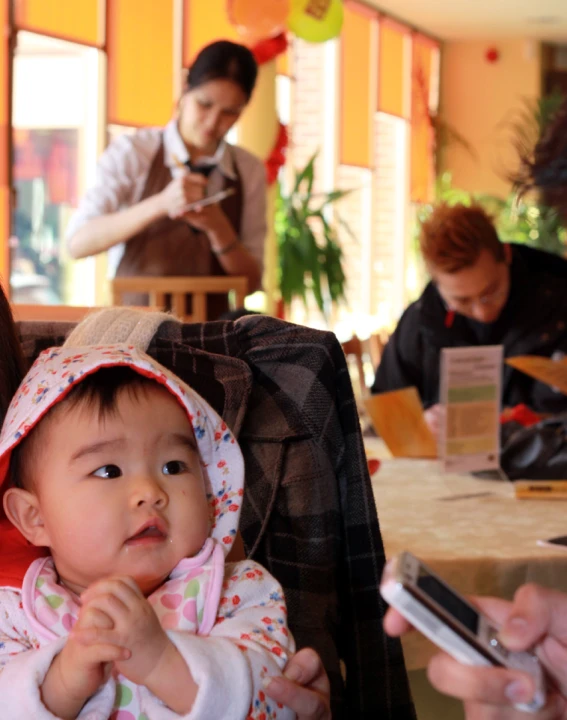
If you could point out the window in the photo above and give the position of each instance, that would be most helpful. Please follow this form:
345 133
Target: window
56 133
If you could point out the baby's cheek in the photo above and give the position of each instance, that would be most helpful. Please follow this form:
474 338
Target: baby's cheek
84 533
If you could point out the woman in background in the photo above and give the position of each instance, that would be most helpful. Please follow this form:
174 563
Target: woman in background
136 208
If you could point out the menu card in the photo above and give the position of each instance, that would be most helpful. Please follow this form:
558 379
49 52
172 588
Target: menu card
397 416
470 392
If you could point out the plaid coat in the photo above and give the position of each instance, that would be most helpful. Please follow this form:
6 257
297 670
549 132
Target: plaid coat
308 513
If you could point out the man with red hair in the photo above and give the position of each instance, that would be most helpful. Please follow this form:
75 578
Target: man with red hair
482 292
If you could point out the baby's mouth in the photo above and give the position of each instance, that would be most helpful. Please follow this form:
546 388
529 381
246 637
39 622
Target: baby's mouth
153 531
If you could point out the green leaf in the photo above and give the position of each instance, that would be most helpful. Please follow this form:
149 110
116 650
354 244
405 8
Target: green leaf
304 234
308 174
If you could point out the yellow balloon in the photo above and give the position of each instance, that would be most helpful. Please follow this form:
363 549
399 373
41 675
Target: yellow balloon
316 20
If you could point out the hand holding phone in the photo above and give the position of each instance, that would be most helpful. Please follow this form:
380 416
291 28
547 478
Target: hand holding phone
452 623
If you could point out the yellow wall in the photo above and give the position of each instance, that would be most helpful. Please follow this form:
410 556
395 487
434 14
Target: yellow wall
478 99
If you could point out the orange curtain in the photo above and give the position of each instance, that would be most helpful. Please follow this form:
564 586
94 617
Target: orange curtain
140 62
205 21
5 123
422 135
357 37
81 21
393 69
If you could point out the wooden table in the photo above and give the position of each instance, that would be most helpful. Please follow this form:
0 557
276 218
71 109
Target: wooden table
473 532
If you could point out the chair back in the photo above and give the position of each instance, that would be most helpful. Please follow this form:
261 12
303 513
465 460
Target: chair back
178 288
51 313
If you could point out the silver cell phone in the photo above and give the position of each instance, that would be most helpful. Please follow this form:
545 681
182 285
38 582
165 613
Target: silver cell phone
452 623
210 200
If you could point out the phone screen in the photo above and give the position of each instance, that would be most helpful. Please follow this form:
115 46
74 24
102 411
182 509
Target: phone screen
448 600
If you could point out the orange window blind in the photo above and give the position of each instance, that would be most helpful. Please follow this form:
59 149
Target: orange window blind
394 71
140 62
422 134
204 22
4 145
81 21
359 28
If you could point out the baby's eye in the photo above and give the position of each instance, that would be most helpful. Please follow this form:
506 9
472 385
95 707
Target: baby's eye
108 472
174 467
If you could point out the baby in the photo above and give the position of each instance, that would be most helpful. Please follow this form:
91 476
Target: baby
134 485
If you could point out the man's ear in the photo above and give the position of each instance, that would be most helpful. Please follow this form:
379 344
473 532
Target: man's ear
22 509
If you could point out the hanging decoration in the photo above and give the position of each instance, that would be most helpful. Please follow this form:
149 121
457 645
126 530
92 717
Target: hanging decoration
277 157
258 20
316 20
269 49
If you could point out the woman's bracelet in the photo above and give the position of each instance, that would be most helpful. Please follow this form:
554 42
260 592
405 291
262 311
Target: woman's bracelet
228 248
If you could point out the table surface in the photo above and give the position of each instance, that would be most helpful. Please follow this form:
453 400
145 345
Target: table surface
473 532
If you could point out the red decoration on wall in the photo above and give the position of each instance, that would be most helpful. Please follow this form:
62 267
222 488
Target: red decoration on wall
264 51
268 49
277 157
492 55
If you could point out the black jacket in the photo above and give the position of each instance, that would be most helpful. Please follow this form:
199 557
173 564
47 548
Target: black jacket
533 322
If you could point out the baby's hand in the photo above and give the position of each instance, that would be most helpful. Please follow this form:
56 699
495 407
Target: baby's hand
91 617
135 625
80 669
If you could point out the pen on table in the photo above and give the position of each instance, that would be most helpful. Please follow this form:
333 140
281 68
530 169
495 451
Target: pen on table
557 488
465 496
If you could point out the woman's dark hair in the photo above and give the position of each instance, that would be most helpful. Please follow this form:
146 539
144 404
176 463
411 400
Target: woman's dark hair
545 168
11 357
224 60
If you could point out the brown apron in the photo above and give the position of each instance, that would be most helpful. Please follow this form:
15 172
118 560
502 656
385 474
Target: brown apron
172 247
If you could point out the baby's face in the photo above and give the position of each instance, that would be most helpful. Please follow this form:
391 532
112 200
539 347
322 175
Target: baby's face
121 495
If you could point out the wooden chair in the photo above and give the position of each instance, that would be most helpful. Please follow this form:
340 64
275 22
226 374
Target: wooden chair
355 348
377 342
58 313
51 313
178 287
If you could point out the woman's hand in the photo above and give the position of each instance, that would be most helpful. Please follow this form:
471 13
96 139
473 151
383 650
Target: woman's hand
210 219
182 190
304 687
536 617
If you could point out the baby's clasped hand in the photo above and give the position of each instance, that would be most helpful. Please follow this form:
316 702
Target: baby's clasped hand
132 624
81 668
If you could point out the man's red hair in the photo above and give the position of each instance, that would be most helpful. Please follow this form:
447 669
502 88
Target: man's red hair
453 238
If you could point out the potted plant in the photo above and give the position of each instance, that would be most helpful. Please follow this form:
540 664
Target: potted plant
310 255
